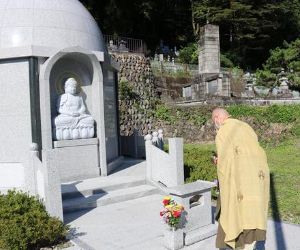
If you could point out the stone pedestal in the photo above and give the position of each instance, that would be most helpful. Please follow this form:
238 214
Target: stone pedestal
77 159
173 239
196 199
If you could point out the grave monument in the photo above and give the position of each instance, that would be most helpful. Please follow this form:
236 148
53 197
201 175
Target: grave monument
211 79
52 52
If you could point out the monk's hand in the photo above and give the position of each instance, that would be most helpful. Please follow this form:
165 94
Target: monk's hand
215 160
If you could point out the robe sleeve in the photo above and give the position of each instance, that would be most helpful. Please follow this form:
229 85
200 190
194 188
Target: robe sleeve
221 150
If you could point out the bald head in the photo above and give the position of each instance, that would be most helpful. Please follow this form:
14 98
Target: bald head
219 116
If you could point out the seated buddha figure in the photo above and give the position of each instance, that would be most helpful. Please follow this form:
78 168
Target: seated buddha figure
72 121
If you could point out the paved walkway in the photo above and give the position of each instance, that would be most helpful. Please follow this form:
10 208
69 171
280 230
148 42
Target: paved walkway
136 225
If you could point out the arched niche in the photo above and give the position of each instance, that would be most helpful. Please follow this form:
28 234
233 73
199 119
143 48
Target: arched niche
75 65
74 159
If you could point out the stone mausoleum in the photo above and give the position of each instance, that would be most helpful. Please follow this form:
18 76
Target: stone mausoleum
58 97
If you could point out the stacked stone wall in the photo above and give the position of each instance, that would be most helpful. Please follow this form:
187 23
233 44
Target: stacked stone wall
136 106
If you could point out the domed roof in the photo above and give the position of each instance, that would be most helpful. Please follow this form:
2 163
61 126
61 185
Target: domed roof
50 23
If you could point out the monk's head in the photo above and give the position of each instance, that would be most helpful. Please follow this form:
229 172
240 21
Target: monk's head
219 116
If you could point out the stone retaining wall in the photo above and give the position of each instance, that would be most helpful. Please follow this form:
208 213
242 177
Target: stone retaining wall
267 132
136 111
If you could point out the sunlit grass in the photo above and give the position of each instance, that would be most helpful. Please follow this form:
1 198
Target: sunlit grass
284 163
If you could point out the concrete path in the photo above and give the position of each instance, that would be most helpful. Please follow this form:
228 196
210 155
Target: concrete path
136 225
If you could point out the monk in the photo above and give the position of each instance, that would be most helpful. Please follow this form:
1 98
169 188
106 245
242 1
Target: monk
243 176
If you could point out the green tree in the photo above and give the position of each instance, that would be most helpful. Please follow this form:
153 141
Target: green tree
189 54
287 58
249 28
150 20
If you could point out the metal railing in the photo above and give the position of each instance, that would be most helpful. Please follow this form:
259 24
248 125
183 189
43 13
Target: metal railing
125 44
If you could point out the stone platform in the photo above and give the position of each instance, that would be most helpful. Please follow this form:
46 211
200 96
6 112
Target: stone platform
135 224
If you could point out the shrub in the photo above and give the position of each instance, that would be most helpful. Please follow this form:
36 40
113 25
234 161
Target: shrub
164 113
189 54
126 91
265 78
25 224
198 164
271 114
287 58
225 61
273 124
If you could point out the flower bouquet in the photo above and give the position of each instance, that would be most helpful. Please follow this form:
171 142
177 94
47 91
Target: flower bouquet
172 212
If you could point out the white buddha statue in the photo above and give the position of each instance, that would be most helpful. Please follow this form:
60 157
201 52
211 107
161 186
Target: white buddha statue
72 121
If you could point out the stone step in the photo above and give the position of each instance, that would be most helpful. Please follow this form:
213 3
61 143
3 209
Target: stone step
99 185
200 234
105 198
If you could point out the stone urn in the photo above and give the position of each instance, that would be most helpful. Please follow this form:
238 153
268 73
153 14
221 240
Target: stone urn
173 238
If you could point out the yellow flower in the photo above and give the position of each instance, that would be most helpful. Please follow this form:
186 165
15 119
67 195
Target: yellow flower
178 207
167 198
169 207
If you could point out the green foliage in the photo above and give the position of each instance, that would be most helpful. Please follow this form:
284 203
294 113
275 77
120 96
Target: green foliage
265 78
189 54
284 57
194 116
25 224
172 114
200 115
180 73
284 163
296 130
198 164
197 119
272 114
150 20
164 113
287 58
226 62
126 91
273 124
249 29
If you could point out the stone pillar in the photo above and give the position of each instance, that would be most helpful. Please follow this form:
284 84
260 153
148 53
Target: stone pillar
220 85
53 199
176 153
148 144
160 139
209 49
30 170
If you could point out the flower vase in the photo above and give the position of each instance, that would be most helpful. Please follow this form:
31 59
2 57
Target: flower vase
173 238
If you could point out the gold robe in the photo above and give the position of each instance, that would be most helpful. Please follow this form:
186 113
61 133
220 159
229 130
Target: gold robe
243 175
